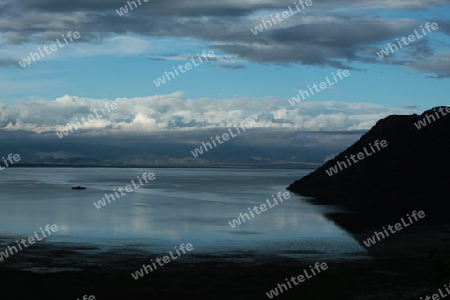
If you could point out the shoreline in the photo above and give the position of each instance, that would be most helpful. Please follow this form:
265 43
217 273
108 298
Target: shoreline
413 263
250 167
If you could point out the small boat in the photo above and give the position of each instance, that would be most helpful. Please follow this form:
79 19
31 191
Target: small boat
78 188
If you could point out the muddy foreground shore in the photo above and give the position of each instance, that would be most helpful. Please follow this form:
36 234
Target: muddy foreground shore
412 264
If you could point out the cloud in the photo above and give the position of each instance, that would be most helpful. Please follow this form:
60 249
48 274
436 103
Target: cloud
231 67
205 7
188 57
410 106
8 63
331 33
438 64
176 112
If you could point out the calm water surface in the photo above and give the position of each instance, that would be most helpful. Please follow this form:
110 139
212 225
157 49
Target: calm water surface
179 206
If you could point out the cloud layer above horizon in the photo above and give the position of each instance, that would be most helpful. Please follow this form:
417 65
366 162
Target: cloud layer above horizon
176 112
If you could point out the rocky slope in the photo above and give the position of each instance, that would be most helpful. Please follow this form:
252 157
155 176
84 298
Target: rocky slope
415 165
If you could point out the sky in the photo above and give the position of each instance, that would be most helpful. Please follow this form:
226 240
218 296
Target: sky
119 56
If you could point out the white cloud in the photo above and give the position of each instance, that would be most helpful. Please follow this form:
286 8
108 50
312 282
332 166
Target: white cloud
175 112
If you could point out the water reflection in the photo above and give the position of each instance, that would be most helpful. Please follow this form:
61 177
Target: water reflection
180 205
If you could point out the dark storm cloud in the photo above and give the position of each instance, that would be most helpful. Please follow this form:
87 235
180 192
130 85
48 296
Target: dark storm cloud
438 64
207 7
444 26
421 57
152 7
328 41
8 63
420 49
323 36
418 55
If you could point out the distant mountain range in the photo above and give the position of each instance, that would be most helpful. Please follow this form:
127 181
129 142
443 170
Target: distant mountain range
258 148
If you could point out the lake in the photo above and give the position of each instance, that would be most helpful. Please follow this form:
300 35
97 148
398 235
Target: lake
179 206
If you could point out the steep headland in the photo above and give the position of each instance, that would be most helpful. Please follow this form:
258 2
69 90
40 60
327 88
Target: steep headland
413 165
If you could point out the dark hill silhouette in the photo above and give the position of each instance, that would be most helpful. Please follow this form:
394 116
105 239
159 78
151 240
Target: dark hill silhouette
413 168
